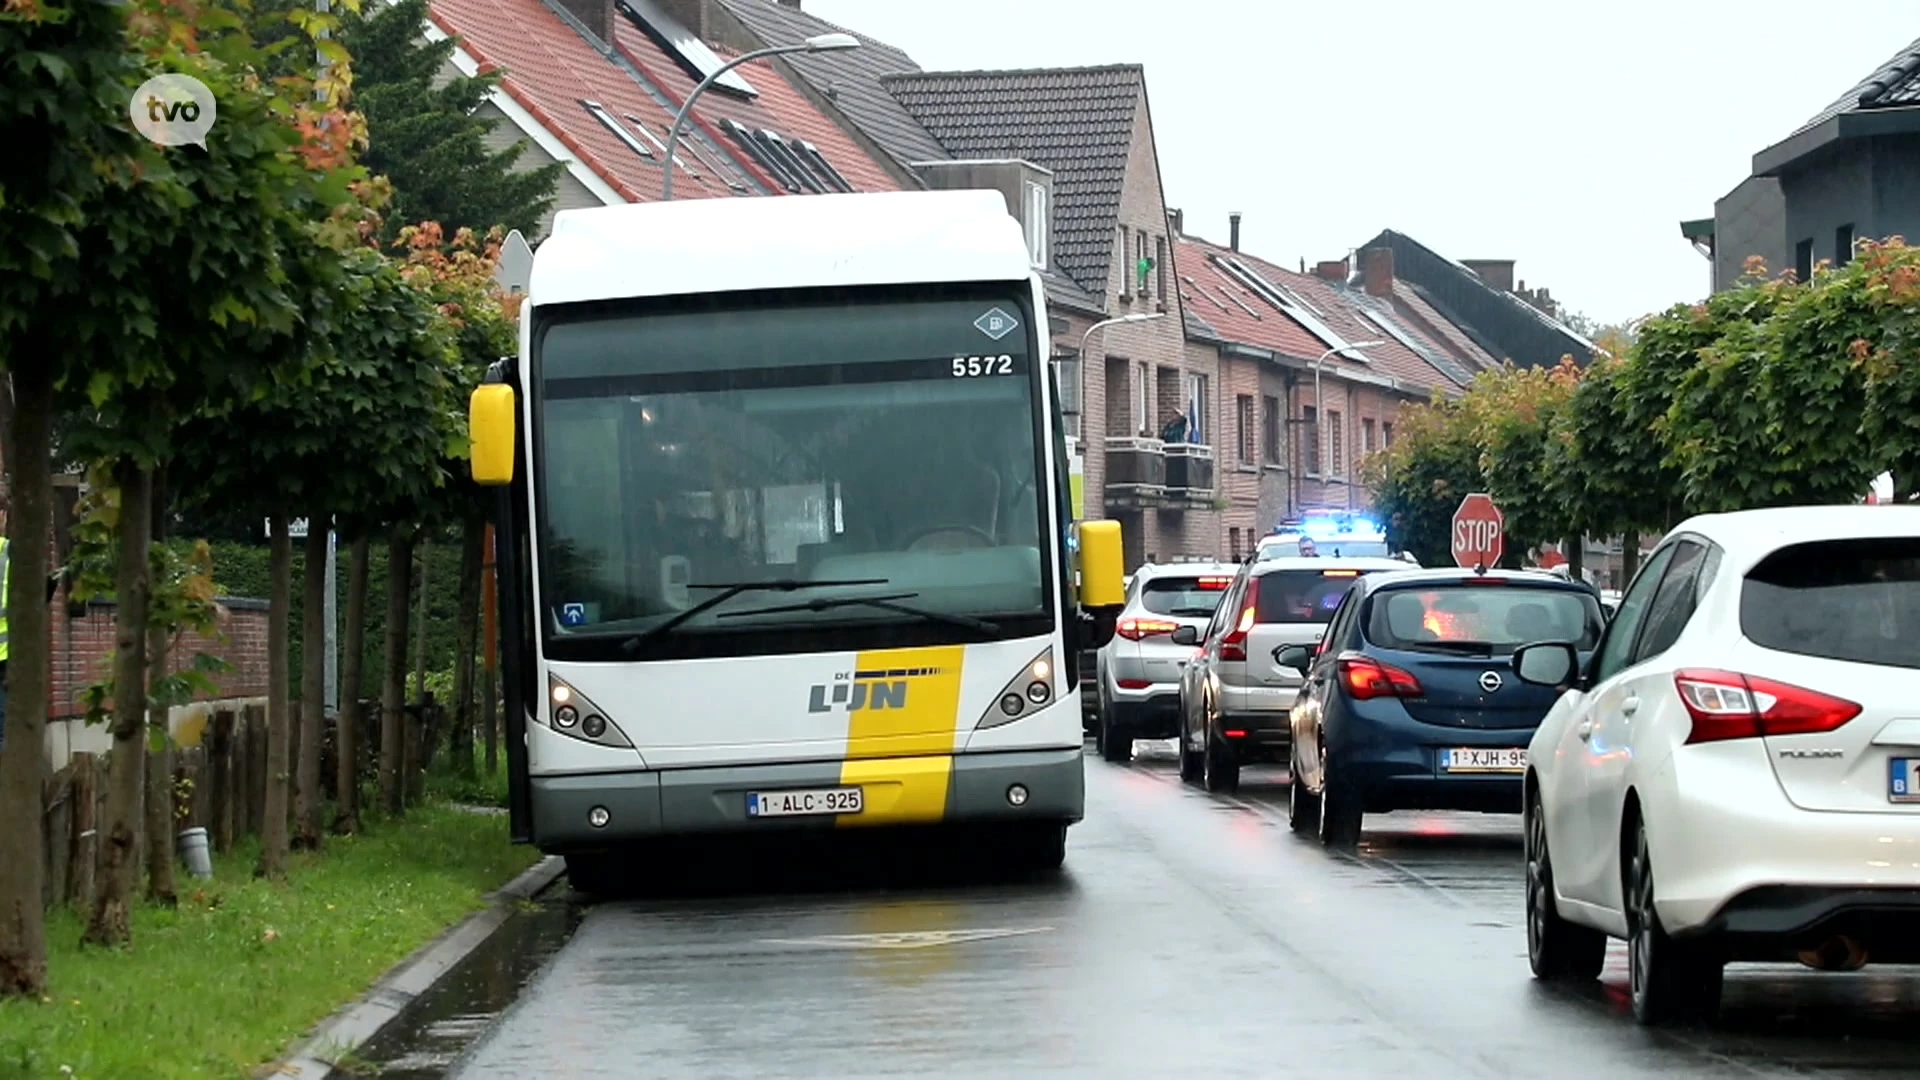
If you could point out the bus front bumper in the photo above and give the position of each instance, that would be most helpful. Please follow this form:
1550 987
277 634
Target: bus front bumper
1036 785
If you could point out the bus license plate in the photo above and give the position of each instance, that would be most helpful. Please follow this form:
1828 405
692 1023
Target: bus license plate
835 800
1481 759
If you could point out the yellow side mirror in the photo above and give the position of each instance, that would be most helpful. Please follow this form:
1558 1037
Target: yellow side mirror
1102 579
490 424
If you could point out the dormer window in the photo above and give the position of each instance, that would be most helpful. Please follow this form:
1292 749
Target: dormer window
1036 224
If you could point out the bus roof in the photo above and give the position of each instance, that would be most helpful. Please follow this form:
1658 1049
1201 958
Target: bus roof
796 241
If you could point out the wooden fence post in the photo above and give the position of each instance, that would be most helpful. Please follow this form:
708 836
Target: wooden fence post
256 793
220 783
85 839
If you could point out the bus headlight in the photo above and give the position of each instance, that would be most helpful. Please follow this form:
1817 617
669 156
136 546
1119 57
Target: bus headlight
1024 694
568 705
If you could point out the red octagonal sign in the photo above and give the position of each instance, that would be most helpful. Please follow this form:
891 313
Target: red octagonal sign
1477 532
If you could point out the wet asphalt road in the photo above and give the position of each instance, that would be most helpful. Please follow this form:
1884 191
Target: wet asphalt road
1188 935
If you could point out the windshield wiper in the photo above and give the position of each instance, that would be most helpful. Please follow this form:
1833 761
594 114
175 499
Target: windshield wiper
885 603
729 590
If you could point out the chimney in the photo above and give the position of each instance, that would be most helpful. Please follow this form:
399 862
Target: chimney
691 14
596 15
1497 273
1377 268
1334 270
1177 221
1233 236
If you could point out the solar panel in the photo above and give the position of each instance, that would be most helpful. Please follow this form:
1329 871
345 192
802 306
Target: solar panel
1289 305
812 155
1432 356
683 45
778 149
600 113
759 153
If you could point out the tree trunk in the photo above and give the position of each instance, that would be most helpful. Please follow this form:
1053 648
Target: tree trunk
127 765
394 677
465 632
313 688
347 821
490 643
1577 556
273 829
1629 559
26 441
160 820
420 631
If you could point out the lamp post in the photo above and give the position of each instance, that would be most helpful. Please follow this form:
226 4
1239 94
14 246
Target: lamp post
1319 413
1138 316
817 43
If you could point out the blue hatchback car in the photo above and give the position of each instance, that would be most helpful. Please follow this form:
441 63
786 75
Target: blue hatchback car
1410 700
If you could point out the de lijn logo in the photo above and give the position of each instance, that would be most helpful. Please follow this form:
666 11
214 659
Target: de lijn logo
856 691
173 110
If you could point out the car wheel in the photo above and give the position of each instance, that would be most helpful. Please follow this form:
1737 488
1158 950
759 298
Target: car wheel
1340 808
1303 806
1193 764
592 874
1222 769
1038 845
1669 980
1116 743
1556 948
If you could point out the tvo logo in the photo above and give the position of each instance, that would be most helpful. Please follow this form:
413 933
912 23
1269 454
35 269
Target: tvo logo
849 693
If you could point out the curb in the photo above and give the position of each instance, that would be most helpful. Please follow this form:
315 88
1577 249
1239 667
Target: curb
351 1027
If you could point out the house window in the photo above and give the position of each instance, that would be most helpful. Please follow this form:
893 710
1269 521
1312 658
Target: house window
1160 263
1139 265
1336 439
1196 406
1386 434
1803 260
1244 435
1143 402
1233 542
1843 245
1066 373
1366 436
1037 224
1126 263
1310 439
1270 430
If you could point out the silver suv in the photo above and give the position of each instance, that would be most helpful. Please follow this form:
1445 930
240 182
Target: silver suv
1138 672
1235 696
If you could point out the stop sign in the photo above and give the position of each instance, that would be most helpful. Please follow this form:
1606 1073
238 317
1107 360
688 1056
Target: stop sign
1477 531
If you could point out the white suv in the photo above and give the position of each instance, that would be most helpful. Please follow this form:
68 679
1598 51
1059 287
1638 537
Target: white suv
1735 777
1139 670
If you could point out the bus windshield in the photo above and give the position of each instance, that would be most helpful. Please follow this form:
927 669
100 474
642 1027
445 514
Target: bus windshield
887 441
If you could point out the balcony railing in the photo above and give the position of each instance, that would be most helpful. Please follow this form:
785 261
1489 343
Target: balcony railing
1136 473
1189 475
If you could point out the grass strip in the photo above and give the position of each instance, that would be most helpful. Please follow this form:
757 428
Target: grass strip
242 968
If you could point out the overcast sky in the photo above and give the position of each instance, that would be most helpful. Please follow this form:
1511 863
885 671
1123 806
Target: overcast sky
1572 139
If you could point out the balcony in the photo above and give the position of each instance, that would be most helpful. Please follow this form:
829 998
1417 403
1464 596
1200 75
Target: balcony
1189 476
1136 473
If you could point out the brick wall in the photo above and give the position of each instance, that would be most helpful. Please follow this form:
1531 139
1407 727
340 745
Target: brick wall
83 646
1357 404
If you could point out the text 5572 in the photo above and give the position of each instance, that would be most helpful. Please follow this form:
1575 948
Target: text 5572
965 366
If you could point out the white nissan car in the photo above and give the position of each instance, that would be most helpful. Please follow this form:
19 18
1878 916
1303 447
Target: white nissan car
1736 775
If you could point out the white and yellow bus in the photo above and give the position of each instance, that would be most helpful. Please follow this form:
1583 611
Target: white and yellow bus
785 537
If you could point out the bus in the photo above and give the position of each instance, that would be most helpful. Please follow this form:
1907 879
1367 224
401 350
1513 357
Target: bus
784 529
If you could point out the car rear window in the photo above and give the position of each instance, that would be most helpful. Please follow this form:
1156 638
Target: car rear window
1855 600
1481 620
1300 596
1193 597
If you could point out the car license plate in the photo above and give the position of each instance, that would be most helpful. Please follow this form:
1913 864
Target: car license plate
835 800
1903 781
1484 759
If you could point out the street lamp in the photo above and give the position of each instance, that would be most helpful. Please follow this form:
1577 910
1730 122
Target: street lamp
1319 413
1138 316
817 43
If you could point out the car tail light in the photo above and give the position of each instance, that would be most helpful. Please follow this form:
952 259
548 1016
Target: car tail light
1134 684
1133 628
1234 645
1729 705
1215 584
1366 678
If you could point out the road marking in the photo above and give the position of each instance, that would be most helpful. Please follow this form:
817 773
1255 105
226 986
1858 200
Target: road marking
912 939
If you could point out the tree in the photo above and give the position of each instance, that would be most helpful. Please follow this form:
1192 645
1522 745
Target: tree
1419 480
429 138
1887 352
1513 410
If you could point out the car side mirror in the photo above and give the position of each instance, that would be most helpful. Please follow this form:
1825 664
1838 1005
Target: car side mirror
1297 657
1186 635
1547 663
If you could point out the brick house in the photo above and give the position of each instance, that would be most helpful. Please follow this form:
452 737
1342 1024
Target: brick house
1480 298
1286 443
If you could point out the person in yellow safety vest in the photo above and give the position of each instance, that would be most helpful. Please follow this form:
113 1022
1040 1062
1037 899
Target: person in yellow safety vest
53 584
